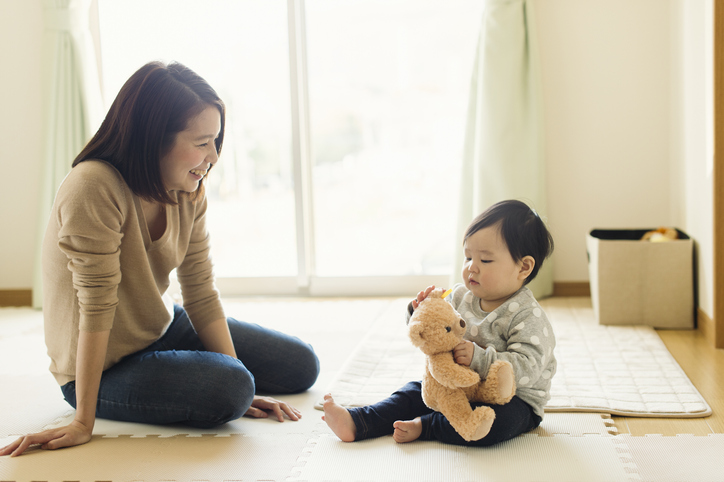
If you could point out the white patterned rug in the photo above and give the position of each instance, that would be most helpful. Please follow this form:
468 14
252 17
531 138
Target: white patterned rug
621 370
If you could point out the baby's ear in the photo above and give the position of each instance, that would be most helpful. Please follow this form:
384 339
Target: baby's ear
526 267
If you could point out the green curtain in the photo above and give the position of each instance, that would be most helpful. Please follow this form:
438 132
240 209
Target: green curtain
71 102
503 156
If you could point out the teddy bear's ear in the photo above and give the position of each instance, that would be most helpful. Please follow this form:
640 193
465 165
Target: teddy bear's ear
436 293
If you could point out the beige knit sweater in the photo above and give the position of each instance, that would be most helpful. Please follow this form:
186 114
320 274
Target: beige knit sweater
102 272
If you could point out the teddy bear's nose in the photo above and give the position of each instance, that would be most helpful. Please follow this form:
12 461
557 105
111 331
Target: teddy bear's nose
462 323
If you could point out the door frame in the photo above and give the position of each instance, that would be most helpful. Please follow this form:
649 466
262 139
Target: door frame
717 334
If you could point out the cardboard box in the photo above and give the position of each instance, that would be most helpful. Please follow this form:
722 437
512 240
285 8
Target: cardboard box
637 282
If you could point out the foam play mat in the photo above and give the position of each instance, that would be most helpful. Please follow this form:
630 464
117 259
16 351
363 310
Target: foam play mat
567 446
528 457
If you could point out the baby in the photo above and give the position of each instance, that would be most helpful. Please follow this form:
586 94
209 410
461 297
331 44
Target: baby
504 249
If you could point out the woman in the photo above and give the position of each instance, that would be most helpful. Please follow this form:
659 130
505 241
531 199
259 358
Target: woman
132 210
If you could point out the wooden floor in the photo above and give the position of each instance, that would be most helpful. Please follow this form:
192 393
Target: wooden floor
704 365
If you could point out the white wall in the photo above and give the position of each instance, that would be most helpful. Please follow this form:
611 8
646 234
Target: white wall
696 152
627 102
607 85
21 30
624 116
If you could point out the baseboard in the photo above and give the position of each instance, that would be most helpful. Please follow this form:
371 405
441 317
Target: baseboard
16 297
571 288
566 288
705 325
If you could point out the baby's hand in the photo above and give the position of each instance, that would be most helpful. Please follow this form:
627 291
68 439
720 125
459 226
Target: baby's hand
421 296
463 353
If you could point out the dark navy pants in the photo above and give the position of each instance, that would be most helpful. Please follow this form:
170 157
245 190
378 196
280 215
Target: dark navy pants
512 419
174 380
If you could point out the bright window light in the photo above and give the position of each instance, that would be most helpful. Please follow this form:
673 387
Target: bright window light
388 85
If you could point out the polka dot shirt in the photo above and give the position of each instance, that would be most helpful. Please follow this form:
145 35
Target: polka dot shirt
517 331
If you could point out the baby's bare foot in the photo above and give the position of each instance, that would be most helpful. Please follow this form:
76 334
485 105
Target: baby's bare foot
338 419
407 430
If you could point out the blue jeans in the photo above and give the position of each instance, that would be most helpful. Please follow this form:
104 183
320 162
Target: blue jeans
512 419
174 380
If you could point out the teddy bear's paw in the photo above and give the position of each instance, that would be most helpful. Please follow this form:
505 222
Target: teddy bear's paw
479 424
483 430
500 384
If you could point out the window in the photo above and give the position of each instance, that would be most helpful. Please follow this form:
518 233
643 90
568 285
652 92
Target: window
340 160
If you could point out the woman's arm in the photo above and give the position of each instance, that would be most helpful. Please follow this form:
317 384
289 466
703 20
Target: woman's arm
216 337
92 347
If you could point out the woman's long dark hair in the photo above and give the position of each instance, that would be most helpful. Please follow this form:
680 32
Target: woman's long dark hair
153 106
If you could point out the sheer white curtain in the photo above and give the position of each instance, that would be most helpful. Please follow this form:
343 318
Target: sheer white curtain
503 157
72 105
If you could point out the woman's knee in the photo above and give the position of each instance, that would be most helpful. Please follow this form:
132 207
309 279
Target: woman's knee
305 365
228 397
295 370
280 362
237 386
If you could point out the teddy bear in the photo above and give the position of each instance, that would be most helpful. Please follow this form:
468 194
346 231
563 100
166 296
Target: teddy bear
660 234
447 387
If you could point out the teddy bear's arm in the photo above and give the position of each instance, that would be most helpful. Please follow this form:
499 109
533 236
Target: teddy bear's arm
448 373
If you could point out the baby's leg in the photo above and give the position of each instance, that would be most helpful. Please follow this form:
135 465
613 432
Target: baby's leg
339 419
378 420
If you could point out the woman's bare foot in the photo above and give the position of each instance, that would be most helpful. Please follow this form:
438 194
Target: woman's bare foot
407 430
338 419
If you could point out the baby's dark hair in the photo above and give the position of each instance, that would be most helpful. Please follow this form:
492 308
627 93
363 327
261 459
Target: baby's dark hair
523 231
